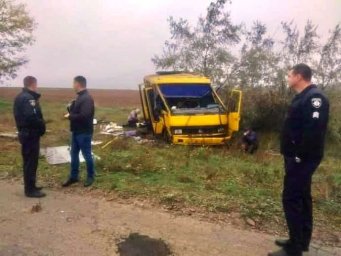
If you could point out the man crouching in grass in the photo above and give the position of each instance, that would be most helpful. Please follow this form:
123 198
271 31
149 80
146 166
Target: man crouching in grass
81 115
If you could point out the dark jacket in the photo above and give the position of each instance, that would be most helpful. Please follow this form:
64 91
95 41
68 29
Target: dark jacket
82 113
27 113
250 137
305 127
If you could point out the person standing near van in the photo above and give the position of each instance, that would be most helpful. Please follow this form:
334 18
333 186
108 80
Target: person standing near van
81 115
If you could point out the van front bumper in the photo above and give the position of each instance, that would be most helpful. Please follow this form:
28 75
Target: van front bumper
187 140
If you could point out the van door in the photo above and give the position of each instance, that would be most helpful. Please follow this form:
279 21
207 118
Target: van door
144 103
234 108
155 114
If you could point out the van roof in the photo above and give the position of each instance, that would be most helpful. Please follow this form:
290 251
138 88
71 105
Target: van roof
176 78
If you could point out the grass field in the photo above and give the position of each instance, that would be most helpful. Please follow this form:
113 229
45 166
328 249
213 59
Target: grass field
214 180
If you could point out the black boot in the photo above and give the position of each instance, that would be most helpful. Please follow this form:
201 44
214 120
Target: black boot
35 194
286 243
282 242
69 182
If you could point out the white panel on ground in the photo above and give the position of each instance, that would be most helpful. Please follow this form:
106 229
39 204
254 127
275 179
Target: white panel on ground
59 155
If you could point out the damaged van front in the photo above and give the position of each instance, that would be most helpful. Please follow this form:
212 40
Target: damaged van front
185 109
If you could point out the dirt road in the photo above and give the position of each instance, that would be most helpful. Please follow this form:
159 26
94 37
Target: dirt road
68 224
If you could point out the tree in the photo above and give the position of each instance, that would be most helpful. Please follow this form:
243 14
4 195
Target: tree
296 48
234 55
258 60
203 48
325 59
328 68
16 33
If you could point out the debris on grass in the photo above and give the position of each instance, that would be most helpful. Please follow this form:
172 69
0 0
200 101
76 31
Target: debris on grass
112 128
131 133
10 135
96 142
118 132
60 155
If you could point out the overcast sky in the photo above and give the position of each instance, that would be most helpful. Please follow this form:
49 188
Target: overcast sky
111 42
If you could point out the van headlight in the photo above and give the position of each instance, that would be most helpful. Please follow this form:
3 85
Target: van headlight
221 130
178 131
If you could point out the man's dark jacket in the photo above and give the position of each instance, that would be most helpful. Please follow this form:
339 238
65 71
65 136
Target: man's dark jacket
305 127
27 113
82 113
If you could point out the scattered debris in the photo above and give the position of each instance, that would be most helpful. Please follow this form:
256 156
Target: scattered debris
11 135
144 141
136 245
96 142
60 155
112 128
141 125
137 138
36 208
119 131
130 133
109 142
250 222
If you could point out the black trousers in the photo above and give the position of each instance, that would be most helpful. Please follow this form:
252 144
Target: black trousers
30 145
297 201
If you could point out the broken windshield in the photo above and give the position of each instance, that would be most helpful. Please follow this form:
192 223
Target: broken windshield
190 98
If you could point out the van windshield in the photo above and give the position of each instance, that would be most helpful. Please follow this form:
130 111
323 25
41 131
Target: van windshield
190 98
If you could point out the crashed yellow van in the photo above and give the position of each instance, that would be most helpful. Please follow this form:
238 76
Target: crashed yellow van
184 108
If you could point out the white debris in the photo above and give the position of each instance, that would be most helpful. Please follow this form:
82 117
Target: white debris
112 128
11 135
60 155
96 142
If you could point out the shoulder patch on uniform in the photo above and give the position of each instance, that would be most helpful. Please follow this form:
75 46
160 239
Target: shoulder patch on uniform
32 103
316 102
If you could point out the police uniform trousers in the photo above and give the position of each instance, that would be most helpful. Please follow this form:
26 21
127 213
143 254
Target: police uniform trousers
297 201
30 145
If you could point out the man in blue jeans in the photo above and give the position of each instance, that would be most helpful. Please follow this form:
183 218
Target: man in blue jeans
81 115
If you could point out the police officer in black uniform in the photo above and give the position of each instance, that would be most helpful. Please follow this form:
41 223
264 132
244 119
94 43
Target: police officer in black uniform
302 145
31 126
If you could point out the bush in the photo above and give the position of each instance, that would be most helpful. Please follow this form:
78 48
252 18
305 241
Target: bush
264 109
334 126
